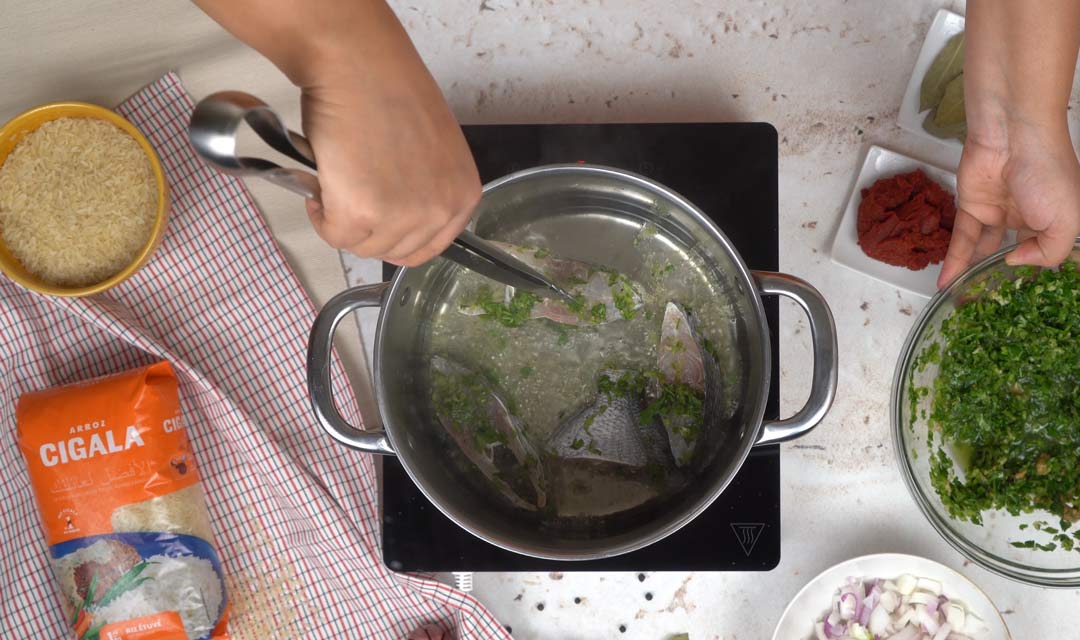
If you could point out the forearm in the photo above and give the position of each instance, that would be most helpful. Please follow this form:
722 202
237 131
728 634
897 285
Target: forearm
1018 66
316 42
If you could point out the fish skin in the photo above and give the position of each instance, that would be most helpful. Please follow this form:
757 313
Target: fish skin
681 359
615 434
520 450
576 278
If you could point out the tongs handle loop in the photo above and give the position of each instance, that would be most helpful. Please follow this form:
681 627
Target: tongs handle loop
212 132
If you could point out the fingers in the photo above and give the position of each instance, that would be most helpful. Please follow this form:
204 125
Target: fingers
989 242
438 243
966 234
332 231
1047 249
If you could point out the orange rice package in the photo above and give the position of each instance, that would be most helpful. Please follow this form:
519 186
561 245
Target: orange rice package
122 508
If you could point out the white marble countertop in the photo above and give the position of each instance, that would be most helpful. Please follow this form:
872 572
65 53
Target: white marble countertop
830 76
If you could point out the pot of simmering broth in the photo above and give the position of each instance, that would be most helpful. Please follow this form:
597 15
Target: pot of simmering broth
585 430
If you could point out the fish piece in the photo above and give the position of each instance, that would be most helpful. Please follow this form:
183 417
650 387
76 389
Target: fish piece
680 358
480 421
609 428
601 295
686 396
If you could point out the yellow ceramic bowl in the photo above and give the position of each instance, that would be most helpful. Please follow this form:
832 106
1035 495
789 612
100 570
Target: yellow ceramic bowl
26 122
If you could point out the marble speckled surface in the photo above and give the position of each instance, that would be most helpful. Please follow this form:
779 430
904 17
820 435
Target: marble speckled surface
829 75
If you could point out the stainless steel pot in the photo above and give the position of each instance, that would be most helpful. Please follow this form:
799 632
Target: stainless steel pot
589 213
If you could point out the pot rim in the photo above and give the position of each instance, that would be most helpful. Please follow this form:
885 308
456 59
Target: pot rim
757 413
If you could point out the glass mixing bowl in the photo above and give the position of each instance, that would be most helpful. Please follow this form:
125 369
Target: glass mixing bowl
989 544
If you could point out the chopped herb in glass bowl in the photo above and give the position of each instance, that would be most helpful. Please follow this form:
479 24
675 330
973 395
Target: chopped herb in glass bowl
986 418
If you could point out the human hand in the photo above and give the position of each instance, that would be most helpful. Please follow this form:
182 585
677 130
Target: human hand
1018 170
1027 180
398 180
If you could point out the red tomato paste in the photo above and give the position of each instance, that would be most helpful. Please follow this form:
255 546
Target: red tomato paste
906 220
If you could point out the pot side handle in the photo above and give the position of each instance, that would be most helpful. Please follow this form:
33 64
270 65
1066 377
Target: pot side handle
823 335
320 344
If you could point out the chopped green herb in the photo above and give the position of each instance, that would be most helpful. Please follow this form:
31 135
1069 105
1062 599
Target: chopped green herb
660 270
710 348
462 401
598 313
577 444
577 305
622 292
526 371
629 384
512 314
647 231
1007 397
542 253
674 401
564 337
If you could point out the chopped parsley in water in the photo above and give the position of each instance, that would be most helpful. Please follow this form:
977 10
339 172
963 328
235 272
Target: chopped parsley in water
464 400
673 401
508 314
519 309
595 314
622 292
1007 400
678 400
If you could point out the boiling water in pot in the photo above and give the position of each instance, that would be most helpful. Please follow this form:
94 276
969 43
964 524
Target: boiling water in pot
545 371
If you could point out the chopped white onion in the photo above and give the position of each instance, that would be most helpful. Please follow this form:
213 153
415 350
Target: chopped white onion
907 608
905 584
925 599
926 584
954 615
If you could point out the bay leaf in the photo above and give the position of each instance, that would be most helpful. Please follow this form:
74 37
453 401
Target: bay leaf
950 111
958 131
948 64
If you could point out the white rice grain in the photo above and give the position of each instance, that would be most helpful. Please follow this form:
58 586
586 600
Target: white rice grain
78 201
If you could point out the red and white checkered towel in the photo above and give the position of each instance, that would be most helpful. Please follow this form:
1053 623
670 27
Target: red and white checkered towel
295 514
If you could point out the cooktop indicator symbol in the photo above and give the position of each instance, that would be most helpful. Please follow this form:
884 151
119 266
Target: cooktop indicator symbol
748 534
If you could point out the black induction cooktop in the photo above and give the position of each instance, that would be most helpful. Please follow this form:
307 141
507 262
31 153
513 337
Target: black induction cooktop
729 171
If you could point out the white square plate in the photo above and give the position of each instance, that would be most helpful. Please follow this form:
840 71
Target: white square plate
882 163
946 24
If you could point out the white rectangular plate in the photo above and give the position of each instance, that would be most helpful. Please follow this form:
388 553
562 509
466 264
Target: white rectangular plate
946 24
882 163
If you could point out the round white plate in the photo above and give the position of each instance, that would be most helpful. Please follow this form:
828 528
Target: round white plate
814 600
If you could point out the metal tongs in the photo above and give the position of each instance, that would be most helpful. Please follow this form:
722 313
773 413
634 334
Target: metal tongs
213 132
